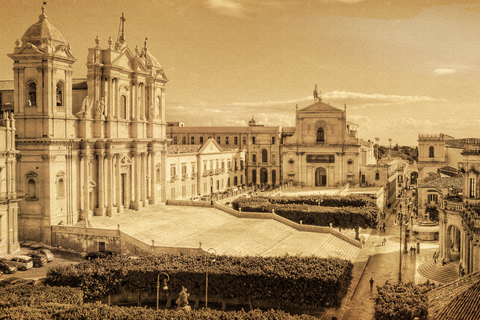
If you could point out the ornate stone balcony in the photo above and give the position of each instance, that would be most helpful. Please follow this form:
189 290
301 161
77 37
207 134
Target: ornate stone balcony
194 175
185 176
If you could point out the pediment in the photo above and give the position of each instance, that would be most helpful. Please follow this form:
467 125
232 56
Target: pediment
29 48
64 51
61 174
31 174
124 59
211 146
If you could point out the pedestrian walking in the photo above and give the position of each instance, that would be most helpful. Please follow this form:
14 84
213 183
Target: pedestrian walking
435 257
384 241
371 284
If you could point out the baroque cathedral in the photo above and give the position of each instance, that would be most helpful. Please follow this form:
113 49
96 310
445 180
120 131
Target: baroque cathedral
90 147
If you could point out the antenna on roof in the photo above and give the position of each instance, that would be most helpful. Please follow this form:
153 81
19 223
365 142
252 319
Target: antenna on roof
121 30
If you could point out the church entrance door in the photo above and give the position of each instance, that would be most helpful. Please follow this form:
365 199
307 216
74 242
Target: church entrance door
320 177
263 176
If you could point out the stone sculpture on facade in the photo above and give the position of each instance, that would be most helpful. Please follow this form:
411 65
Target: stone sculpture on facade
101 107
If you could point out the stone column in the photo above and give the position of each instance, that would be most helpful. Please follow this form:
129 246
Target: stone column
118 184
86 189
153 177
143 182
109 185
136 180
100 211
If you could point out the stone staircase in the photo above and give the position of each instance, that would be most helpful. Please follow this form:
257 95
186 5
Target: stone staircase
437 272
187 227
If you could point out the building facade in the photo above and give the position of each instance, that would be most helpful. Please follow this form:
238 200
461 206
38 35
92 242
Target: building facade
261 145
9 195
89 147
195 171
323 150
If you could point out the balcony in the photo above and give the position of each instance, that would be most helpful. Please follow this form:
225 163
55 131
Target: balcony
206 173
453 205
174 178
219 171
184 176
194 175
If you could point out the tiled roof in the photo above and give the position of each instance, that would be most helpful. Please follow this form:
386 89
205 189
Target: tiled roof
6 84
183 148
208 130
459 299
445 182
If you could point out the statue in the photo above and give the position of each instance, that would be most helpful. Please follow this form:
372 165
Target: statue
182 301
101 106
83 109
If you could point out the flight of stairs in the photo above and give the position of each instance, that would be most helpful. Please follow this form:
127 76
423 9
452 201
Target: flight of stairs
437 272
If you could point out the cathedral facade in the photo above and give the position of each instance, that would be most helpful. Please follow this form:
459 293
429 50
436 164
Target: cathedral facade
92 147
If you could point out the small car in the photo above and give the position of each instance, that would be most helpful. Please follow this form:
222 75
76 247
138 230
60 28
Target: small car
7 266
43 251
15 280
39 260
100 255
23 262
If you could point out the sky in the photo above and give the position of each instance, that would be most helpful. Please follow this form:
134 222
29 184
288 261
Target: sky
401 67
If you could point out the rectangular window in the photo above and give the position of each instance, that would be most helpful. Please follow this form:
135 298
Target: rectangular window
173 171
184 168
218 140
254 158
192 140
235 140
273 140
226 140
205 190
201 140
253 140
175 140
211 164
204 164
432 198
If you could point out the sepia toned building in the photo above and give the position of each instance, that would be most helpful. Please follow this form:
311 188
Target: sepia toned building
91 147
323 149
201 170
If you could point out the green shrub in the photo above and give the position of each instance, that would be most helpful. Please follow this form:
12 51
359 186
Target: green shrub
37 294
105 312
292 281
402 301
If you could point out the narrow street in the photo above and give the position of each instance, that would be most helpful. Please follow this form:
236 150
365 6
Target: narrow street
382 266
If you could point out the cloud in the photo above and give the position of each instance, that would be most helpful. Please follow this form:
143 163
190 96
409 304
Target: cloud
227 7
443 71
343 95
213 110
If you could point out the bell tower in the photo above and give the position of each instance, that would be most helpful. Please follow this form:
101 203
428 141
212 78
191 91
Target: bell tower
43 83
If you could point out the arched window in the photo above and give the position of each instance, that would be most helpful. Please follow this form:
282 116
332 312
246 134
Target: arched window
60 188
264 156
377 175
123 107
32 189
350 166
320 135
158 175
59 94
431 152
32 93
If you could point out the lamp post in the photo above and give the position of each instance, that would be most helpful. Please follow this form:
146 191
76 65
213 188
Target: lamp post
165 287
401 231
206 274
390 140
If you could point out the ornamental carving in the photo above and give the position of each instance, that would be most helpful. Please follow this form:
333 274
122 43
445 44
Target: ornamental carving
46 157
320 124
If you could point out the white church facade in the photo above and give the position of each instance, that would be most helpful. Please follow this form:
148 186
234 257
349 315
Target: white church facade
92 147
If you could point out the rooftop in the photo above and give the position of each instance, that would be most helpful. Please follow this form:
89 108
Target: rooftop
445 182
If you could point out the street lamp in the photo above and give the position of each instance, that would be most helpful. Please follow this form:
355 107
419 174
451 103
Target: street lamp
206 274
401 231
165 287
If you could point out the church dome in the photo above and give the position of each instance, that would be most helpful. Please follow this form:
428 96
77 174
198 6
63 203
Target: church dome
43 32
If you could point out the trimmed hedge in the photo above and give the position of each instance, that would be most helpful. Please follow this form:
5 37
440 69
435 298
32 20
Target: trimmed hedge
37 294
292 208
104 312
402 301
307 282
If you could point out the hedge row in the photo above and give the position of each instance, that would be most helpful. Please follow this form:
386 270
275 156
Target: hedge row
314 200
105 312
402 301
308 282
33 294
340 217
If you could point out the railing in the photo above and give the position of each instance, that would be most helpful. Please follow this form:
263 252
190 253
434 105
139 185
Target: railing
453 205
218 171
206 173
174 178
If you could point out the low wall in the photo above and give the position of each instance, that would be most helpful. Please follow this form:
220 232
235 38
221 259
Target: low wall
81 239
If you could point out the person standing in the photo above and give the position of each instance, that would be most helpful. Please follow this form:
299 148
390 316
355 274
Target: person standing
435 257
371 284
